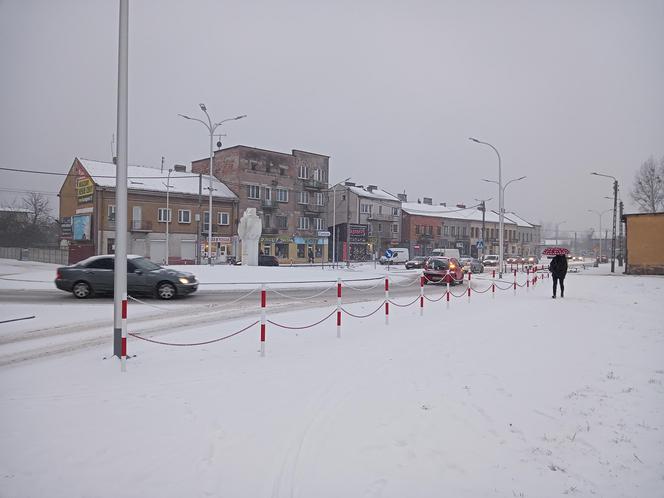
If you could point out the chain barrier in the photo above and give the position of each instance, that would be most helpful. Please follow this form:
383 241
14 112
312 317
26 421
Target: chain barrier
482 291
463 293
435 300
416 281
405 305
363 288
203 343
328 289
363 316
291 327
18 319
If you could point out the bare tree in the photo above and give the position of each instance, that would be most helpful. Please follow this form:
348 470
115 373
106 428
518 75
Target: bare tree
648 189
38 206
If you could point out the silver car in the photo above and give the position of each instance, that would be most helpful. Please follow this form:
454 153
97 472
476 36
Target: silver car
95 275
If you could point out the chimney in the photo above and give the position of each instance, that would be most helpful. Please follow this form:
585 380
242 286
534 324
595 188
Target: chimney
444 204
180 168
427 200
402 197
371 188
461 206
349 184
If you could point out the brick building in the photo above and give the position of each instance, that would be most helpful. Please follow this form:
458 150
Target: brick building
644 241
87 210
289 192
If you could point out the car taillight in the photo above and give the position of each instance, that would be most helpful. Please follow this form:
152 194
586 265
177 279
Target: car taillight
58 275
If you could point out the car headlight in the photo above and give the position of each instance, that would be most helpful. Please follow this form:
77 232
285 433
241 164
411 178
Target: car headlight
183 280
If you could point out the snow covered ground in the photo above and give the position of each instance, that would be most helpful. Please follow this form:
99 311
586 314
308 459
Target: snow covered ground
512 396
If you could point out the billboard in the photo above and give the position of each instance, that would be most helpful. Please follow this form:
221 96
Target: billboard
81 226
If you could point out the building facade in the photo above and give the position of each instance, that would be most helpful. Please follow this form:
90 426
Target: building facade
644 243
288 191
87 213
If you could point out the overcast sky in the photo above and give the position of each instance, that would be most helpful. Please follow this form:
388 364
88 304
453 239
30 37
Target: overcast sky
390 90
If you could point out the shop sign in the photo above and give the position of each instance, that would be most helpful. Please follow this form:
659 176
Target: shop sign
357 234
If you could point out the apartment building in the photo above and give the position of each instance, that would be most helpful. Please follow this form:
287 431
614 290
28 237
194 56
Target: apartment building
368 221
87 206
288 190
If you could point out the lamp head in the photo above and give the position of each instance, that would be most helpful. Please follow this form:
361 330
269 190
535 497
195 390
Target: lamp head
202 106
185 117
240 117
473 139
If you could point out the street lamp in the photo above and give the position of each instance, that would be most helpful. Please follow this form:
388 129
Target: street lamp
558 225
615 207
500 205
334 220
168 210
483 204
502 210
211 128
600 228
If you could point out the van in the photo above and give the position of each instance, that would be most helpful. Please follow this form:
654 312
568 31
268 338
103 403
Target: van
399 255
447 253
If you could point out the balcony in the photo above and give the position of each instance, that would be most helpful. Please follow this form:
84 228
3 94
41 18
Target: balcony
313 184
268 204
382 217
270 231
314 209
140 226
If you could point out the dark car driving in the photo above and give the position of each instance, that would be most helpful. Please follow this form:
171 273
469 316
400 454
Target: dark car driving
95 275
416 262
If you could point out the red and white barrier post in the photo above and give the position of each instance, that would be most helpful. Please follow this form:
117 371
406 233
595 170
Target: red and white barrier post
515 282
123 354
527 279
387 300
493 284
338 307
470 273
263 318
421 295
447 295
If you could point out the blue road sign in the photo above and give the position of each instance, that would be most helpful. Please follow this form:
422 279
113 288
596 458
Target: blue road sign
480 244
388 253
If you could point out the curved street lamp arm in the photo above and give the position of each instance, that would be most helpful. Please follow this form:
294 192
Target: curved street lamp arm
196 119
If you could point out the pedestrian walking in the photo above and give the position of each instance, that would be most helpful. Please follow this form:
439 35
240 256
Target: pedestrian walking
311 256
558 269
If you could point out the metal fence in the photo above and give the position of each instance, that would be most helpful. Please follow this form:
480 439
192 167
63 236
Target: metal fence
41 254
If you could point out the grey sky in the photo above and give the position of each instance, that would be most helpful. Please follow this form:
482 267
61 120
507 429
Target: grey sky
390 90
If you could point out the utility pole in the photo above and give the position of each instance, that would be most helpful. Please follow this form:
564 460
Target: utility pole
615 213
621 241
198 219
483 225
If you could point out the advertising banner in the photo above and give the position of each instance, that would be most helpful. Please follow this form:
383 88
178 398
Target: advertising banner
81 226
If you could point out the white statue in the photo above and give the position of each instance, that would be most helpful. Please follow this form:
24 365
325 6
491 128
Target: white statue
249 230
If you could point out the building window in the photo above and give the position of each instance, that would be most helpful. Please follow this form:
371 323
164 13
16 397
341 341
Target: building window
253 192
282 195
395 228
380 209
303 223
317 175
303 197
438 229
318 223
282 222
267 194
111 212
446 231
184 216
365 208
253 165
319 198
266 221
303 172
223 218
380 228
395 211
417 229
164 215
465 231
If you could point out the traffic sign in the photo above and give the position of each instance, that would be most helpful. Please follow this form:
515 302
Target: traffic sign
324 233
480 244
388 253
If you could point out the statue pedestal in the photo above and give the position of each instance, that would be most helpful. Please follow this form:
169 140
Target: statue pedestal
249 231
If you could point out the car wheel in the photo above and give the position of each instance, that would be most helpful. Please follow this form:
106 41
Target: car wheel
81 290
166 290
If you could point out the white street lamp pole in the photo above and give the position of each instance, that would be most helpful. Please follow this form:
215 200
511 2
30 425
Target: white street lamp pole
599 215
334 221
500 205
168 211
211 128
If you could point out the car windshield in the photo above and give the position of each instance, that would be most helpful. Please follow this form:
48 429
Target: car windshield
438 264
145 264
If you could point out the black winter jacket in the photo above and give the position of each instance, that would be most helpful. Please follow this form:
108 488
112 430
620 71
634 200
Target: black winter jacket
558 266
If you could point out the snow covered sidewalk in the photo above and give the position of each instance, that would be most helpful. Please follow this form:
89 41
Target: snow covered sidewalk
513 396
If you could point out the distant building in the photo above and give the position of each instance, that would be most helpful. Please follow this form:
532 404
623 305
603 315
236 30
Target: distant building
87 211
288 191
644 241
14 215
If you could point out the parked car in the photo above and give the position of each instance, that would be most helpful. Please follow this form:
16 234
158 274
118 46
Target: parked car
416 262
490 260
445 252
471 265
95 275
265 260
531 260
399 255
443 270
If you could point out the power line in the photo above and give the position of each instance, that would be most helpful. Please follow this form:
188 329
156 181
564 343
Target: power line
52 173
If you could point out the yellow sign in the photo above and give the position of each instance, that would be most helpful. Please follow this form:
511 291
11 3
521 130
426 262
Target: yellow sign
84 190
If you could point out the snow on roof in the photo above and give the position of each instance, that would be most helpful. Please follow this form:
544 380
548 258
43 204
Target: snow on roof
373 194
15 210
515 218
144 178
449 212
